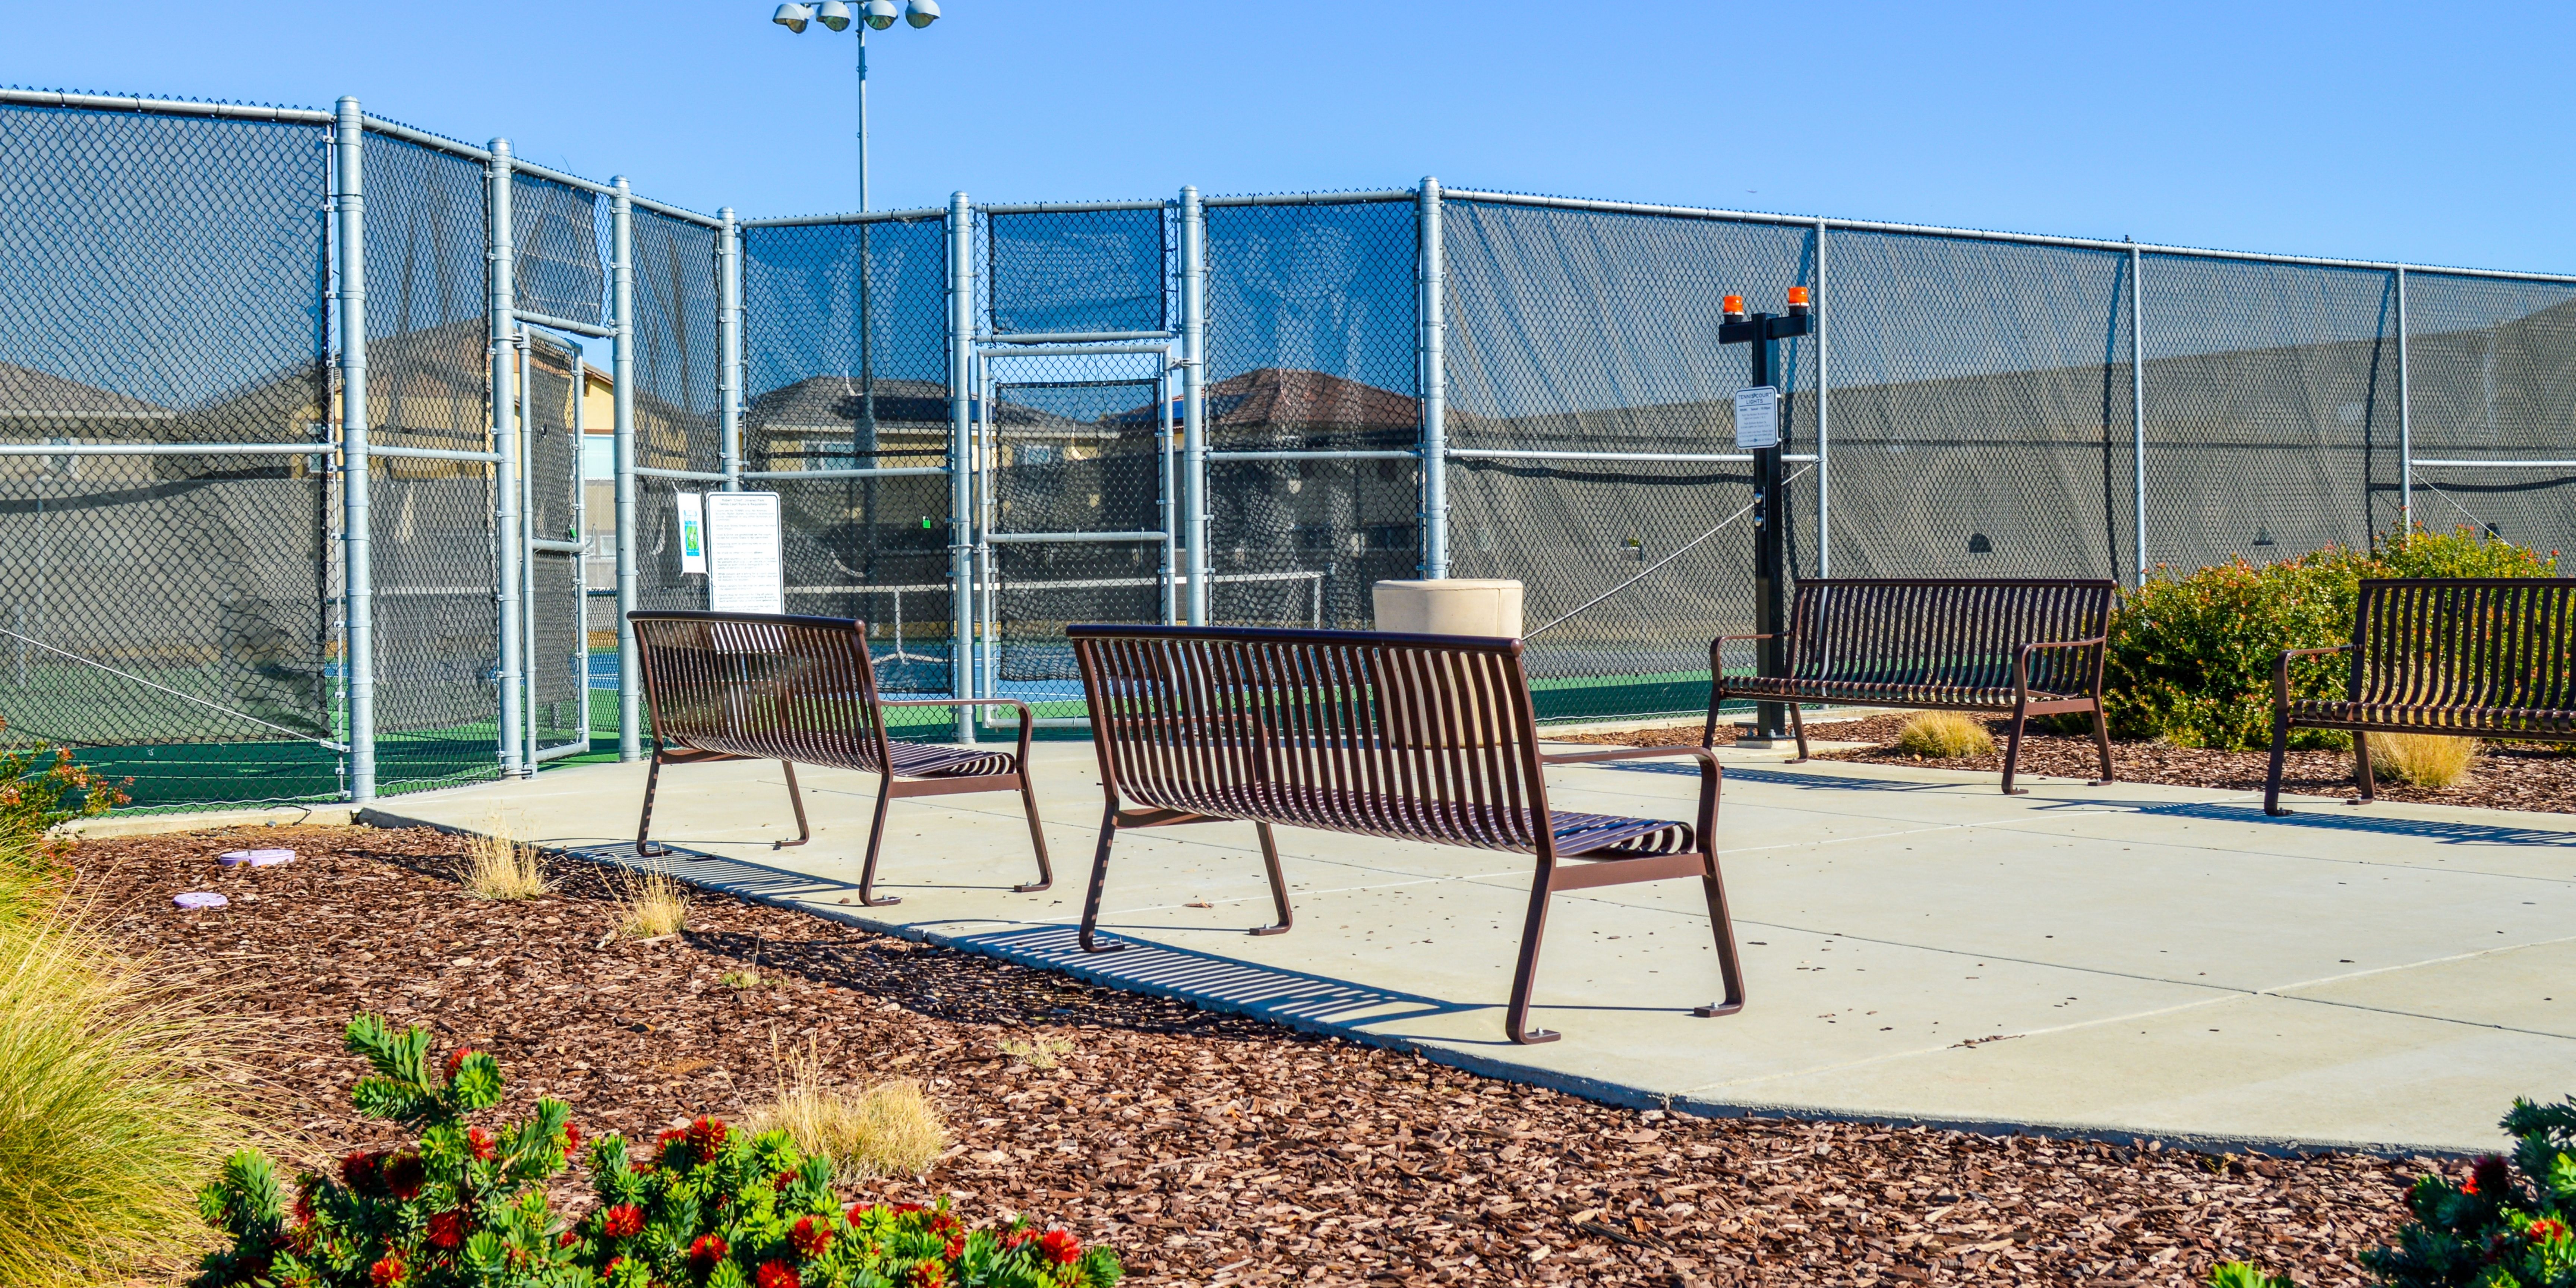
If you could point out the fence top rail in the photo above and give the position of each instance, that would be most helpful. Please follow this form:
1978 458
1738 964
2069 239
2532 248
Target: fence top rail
1312 198
1973 234
1071 207
848 217
483 156
163 106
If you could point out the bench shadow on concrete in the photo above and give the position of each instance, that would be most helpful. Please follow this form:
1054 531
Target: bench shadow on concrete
1296 998
2443 831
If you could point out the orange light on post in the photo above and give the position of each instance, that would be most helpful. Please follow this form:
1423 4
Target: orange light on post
1798 299
1734 306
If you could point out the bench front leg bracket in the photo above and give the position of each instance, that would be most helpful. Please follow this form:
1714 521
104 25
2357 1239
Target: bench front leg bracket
1525 972
1099 882
1278 883
876 842
804 832
644 848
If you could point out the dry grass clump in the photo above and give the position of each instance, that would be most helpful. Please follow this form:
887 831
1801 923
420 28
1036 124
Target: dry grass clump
1944 735
650 905
890 1129
2424 759
112 1110
1040 1054
499 865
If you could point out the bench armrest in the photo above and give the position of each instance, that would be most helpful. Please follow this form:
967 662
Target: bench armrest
2021 665
2281 671
1717 647
1028 719
1710 774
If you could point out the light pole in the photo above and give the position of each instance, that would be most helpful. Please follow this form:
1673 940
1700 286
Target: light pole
878 14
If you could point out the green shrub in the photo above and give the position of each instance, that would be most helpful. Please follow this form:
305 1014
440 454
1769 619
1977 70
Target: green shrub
710 1208
2507 1226
2244 1274
35 800
2190 658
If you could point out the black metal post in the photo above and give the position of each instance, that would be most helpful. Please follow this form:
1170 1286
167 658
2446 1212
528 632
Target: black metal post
1770 526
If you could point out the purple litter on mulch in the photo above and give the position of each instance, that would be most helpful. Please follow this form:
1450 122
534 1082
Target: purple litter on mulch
256 858
197 899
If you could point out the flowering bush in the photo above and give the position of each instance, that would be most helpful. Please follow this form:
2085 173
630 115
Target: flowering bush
2506 1226
2190 658
464 1206
34 800
710 1207
714 1206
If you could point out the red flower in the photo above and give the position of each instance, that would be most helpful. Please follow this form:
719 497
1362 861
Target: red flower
926 1274
1060 1247
609 1271
781 1181
304 1204
901 1209
567 1239
1015 1238
572 1139
956 1248
811 1236
946 1223
358 1168
706 1252
405 1174
2488 1177
446 1229
708 1136
663 1142
456 1060
777 1274
482 1143
860 1212
623 1221
2545 1230
388 1272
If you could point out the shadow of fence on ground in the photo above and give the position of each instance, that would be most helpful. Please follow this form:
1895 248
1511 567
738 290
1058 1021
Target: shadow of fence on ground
1223 983
2446 832
713 871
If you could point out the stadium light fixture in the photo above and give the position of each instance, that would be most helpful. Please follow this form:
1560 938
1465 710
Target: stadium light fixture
877 15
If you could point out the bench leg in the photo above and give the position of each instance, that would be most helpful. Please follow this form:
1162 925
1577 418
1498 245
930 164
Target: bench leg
2280 750
1278 884
796 798
1525 974
1798 726
1037 837
2361 766
644 824
2012 754
1099 881
876 842
1729 969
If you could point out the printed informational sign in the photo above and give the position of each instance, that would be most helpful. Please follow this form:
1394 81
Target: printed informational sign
744 571
1757 417
693 532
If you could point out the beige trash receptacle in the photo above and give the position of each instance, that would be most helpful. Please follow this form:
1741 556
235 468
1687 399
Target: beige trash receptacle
1450 606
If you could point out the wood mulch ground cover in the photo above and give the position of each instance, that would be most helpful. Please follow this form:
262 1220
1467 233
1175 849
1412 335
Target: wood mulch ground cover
1206 1148
2528 776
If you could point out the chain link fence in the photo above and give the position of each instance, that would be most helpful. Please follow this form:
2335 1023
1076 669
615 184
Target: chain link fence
1970 404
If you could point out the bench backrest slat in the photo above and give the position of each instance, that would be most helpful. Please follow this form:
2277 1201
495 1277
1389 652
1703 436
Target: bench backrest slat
769 687
2454 642
1389 735
1947 632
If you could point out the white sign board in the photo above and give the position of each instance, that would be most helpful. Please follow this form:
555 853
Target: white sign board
693 532
744 572
1757 417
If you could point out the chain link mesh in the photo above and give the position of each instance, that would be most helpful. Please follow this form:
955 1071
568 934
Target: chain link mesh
162 280
2492 369
1311 331
1072 456
678 402
1074 271
829 393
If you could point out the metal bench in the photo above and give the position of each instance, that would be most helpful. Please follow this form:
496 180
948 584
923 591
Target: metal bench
1409 737
2487 657
2018 647
747 686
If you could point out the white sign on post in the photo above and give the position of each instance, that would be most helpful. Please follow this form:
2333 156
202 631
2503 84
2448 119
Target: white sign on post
1757 417
693 532
744 572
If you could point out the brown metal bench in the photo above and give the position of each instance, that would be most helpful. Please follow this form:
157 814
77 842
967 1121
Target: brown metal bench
2471 657
746 686
1409 737
2012 647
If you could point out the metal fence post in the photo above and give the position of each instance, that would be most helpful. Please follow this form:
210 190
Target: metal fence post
1194 515
630 676
1430 294
729 343
505 441
2405 420
961 551
357 546
2138 402
1823 311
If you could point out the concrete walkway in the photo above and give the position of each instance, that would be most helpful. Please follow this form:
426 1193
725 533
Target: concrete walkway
2127 961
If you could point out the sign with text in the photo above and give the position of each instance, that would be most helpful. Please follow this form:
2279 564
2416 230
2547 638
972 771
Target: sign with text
1757 417
744 571
693 532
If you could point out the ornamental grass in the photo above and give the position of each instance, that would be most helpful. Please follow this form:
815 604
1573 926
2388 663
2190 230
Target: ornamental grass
499 865
2424 759
650 905
889 1129
112 1110
1944 735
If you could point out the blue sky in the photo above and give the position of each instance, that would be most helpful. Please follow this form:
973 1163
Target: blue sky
2435 134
